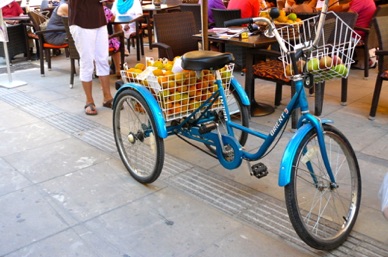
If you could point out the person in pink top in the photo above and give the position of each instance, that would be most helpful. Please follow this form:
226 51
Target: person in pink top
249 8
365 10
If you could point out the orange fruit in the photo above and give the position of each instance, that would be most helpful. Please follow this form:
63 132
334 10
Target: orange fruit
157 72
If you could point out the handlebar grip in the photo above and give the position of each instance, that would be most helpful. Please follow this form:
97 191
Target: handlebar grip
238 22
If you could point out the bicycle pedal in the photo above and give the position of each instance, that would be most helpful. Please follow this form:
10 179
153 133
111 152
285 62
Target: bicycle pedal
259 170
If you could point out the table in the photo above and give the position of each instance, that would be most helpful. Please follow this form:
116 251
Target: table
21 18
252 44
129 19
22 38
163 7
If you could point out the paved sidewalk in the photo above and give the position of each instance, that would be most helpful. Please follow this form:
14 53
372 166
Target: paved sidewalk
65 192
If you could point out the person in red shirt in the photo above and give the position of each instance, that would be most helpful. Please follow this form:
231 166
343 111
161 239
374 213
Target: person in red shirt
249 8
11 10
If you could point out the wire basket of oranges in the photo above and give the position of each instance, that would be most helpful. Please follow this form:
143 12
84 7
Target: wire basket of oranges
179 93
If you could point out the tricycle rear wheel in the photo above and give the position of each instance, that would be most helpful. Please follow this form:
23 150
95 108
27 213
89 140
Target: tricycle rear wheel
139 146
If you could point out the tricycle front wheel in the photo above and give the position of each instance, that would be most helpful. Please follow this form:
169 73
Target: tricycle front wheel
322 212
140 148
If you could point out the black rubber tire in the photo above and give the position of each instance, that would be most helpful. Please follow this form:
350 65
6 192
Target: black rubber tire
139 146
322 214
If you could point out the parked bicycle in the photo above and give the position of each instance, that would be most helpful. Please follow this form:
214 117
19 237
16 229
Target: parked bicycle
319 169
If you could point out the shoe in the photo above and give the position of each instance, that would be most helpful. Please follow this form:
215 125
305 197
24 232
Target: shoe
90 109
372 63
33 35
108 104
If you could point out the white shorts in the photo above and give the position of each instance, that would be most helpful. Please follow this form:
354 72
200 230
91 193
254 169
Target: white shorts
93 49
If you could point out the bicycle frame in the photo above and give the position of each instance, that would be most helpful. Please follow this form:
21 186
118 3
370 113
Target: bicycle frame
203 115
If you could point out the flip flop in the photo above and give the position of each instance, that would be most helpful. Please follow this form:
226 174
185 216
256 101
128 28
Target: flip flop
108 104
92 109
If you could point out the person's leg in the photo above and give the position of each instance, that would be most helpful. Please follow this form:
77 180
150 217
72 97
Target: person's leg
90 108
108 98
102 64
82 38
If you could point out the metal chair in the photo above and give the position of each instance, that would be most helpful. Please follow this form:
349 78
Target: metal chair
380 25
174 32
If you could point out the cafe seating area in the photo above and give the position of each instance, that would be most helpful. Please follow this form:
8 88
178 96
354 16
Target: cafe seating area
56 162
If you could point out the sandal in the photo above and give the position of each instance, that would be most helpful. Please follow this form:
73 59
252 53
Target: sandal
90 109
108 104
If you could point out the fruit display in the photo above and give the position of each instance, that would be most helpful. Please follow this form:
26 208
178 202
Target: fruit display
178 93
283 18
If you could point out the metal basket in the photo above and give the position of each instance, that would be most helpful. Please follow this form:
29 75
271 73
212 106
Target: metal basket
181 93
333 55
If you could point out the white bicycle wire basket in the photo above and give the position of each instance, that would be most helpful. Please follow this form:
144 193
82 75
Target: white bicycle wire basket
333 55
181 93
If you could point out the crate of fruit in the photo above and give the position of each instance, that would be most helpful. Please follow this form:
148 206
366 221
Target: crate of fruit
181 92
332 54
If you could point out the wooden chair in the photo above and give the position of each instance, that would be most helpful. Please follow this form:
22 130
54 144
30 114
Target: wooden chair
382 10
148 26
74 55
380 25
196 10
136 39
174 32
44 48
270 68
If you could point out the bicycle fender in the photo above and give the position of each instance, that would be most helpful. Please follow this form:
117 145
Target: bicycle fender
152 103
241 92
290 151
